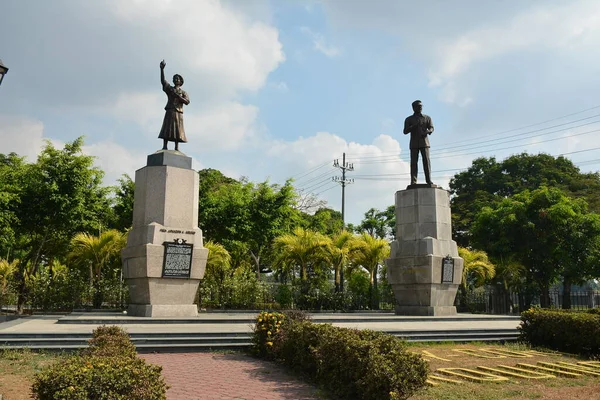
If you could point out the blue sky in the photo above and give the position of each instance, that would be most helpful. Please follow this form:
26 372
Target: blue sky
280 89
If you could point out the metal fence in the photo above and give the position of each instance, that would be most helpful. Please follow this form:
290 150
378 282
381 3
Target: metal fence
496 302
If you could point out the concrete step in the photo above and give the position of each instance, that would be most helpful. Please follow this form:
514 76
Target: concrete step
240 318
179 342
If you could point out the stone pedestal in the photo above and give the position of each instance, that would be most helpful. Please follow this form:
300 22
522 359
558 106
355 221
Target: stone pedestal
165 212
424 240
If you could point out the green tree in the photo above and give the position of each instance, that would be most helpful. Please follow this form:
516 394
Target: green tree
97 253
544 230
60 194
487 182
375 223
340 252
123 204
245 215
218 270
370 253
7 271
326 221
477 268
13 172
302 248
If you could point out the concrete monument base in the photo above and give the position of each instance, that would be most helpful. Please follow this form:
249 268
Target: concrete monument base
424 268
426 311
163 310
165 258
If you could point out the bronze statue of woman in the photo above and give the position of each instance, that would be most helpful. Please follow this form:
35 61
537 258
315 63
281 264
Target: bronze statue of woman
172 128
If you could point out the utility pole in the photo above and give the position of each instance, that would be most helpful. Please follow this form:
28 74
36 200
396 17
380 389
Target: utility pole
343 181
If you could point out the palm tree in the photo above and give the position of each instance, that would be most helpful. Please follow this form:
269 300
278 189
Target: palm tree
477 268
370 253
510 273
340 252
301 248
7 270
218 267
97 252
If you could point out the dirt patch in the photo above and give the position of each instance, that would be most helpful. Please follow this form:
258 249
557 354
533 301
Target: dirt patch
16 372
15 387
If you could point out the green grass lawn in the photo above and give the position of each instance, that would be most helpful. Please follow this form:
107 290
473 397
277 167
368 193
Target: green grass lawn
18 367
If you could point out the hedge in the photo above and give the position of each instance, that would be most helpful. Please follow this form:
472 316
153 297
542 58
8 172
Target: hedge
350 363
562 330
108 370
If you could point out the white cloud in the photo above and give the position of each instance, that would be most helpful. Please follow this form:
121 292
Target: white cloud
372 162
208 39
21 135
115 160
320 44
541 28
226 126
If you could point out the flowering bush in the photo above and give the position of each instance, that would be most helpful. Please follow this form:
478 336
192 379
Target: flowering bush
108 369
268 325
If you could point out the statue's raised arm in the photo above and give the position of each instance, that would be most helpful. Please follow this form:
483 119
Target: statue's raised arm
163 82
172 128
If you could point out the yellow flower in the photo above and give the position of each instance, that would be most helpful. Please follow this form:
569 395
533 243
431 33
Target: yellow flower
269 343
269 333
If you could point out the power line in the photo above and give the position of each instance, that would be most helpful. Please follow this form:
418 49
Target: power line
310 170
364 156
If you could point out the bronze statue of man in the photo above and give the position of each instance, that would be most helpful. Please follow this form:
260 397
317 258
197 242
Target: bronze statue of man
172 128
419 126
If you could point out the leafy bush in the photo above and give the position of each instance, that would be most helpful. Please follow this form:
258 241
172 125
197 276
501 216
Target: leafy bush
97 377
284 296
110 341
60 290
108 369
352 364
562 330
267 326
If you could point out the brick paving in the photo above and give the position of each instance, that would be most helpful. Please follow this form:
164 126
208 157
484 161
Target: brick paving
216 376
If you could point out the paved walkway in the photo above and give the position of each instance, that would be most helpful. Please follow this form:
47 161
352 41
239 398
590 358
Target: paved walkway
215 376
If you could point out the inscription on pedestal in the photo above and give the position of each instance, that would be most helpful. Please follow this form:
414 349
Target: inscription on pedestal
447 269
178 259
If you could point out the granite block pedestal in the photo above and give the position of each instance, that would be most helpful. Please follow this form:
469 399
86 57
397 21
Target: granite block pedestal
165 224
422 284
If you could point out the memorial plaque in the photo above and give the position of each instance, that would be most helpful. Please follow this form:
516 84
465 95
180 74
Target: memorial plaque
178 259
447 269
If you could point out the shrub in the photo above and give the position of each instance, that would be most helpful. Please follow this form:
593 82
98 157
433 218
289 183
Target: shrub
96 377
562 330
267 326
284 296
110 341
108 369
352 364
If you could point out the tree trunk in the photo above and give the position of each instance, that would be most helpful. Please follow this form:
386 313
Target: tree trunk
98 295
567 284
21 292
337 279
256 260
545 296
375 291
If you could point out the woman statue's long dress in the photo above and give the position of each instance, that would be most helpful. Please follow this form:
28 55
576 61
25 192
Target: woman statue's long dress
172 128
